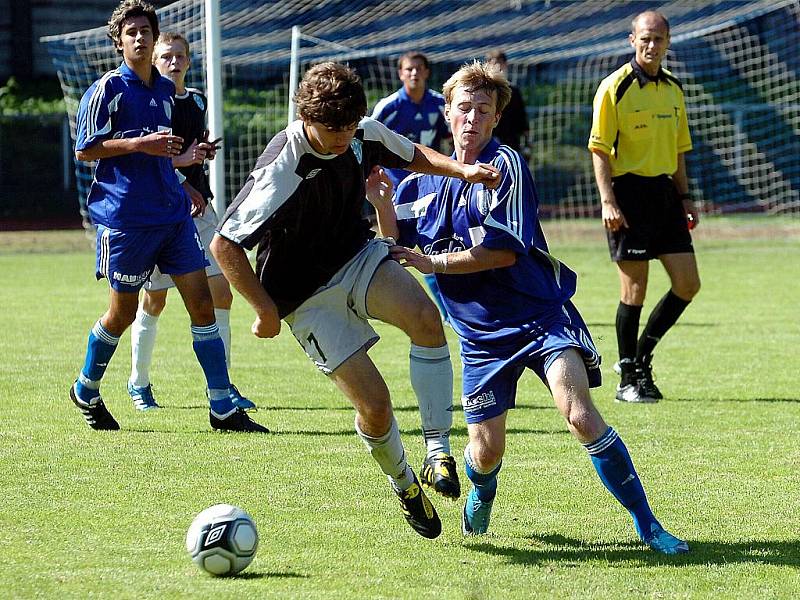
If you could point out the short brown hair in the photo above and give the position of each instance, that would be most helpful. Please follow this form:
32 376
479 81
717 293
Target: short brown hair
129 9
413 55
479 76
167 37
331 93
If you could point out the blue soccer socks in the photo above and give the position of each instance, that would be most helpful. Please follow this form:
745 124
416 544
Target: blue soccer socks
100 349
478 506
485 482
613 464
210 352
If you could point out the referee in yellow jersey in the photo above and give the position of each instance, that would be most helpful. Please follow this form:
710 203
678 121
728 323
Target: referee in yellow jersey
639 136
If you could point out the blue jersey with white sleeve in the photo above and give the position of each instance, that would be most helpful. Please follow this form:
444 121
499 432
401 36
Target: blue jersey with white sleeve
442 214
422 123
135 190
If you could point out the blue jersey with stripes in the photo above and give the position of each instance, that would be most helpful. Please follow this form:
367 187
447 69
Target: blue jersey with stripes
422 123
131 190
443 214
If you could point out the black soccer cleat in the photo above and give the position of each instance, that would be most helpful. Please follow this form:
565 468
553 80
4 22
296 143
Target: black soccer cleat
644 374
236 421
634 394
439 473
419 511
96 414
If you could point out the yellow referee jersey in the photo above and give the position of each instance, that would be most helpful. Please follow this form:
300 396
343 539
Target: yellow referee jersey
640 123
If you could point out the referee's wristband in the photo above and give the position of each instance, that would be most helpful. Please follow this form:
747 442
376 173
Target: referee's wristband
685 196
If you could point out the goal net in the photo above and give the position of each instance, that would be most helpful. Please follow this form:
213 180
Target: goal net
738 62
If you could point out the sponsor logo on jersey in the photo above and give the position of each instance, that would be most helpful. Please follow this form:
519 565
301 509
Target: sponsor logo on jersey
153 102
418 117
198 99
443 246
313 173
131 279
636 251
478 402
356 145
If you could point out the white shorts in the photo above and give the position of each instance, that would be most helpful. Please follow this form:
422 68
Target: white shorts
206 226
332 325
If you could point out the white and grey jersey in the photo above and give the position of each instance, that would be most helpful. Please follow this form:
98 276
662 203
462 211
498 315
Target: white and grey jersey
303 209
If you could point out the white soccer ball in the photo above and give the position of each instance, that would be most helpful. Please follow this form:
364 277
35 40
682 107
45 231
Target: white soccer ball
222 539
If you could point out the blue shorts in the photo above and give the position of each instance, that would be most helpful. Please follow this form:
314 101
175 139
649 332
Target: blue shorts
491 372
127 257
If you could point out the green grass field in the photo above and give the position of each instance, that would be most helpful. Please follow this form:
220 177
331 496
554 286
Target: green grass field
90 514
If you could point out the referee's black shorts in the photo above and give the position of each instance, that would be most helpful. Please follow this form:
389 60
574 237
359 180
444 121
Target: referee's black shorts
656 219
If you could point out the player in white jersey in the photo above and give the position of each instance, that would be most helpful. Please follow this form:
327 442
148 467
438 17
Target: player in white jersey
320 271
172 58
508 298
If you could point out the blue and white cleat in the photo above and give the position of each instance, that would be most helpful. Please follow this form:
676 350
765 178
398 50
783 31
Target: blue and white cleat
662 541
240 401
142 397
475 518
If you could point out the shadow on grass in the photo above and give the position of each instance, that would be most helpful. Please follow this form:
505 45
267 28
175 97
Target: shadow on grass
399 409
555 547
269 575
737 400
418 432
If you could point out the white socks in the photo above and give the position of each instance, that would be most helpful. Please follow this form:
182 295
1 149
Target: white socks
432 379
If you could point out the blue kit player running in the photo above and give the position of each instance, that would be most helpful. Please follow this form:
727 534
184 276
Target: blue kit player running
143 216
509 301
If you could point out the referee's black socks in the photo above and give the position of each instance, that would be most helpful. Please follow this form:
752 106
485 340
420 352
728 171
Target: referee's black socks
664 316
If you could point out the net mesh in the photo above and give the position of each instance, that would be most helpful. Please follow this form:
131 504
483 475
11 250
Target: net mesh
738 62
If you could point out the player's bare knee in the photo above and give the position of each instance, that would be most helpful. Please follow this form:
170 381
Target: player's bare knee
487 454
375 417
154 304
425 325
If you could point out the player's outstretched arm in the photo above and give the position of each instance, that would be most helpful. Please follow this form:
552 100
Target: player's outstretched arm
431 162
238 271
379 194
472 260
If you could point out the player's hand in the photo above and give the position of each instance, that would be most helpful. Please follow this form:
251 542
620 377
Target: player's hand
613 219
195 154
210 148
379 188
488 175
196 198
161 143
410 258
692 216
267 325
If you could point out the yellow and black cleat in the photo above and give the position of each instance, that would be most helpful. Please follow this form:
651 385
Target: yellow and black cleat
440 474
419 512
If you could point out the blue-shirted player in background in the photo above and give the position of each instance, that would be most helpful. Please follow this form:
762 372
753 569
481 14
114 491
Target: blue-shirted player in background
143 216
509 301
414 111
